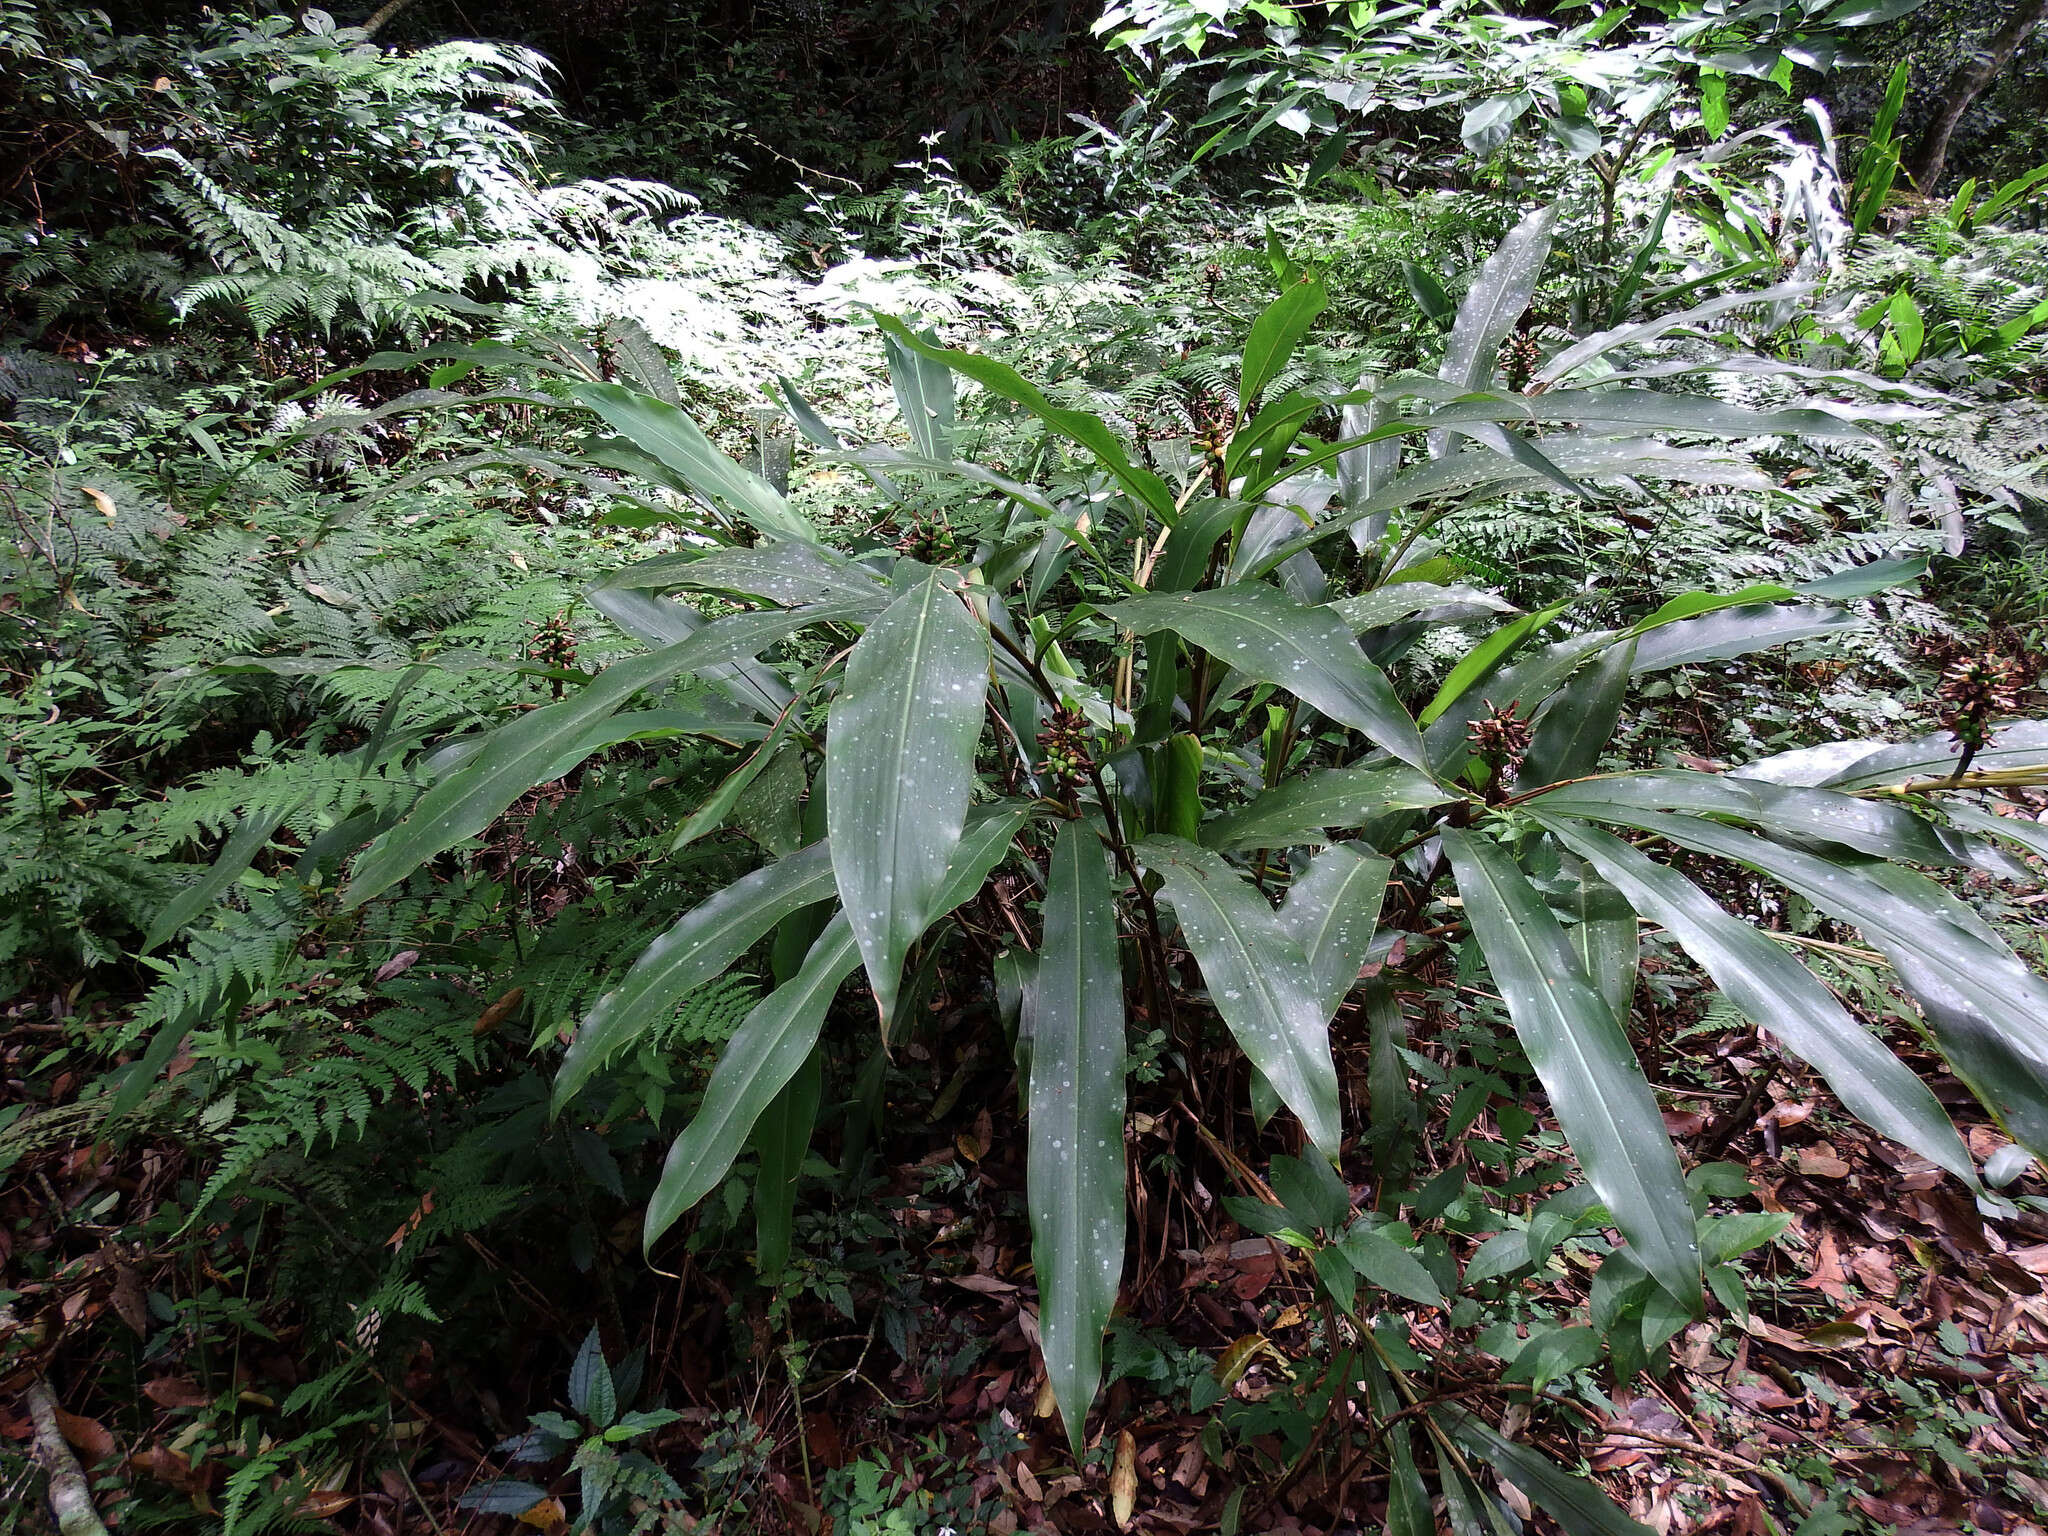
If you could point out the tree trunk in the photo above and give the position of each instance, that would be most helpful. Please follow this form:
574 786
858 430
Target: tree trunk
1930 155
391 8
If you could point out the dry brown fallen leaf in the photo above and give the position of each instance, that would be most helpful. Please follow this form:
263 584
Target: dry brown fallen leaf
89 1437
1123 1480
176 1392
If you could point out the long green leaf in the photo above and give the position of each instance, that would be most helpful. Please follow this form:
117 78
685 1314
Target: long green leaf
1886 831
1299 810
1780 994
1074 1179
787 574
2019 747
1310 652
1984 1006
781 1138
1258 979
899 766
1274 336
765 1052
697 948
655 621
1584 1062
924 394
236 855
1603 936
1484 657
1330 911
1580 1507
1738 631
669 435
1077 426
1495 301
1571 734
511 761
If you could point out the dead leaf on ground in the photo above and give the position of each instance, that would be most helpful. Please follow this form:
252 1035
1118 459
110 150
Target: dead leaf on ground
89 1437
176 1392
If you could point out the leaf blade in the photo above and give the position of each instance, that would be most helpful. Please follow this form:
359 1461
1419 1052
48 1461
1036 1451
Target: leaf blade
1075 1174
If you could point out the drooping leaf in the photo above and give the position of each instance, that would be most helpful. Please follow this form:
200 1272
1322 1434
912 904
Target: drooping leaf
765 1052
1484 657
1075 1172
1078 426
1330 911
1884 830
1584 1062
670 436
899 766
1257 976
655 621
1780 994
1265 634
1603 935
787 574
695 950
1580 1507
1983 1005
510 763
1737 632
1299 810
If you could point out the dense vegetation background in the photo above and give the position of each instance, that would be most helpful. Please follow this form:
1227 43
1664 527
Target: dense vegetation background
382 882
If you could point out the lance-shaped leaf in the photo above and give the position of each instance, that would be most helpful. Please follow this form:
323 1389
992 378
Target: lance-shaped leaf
924 394
1883 830
1583 1060
1299 810
2018 748
1391 604
1582 352
1780 994
1579 458
1484 657
1580 1507
1525 684
1074 1179
1078 426
766 1051
1495 301
785 574
1257 976
1574 730
1603 936
899 766
656 621
1737 632
781 1138
1274 336
1985 1006
740 637
696 949
511 761
1310 652
248 840
1330 911
1646 410
670 436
